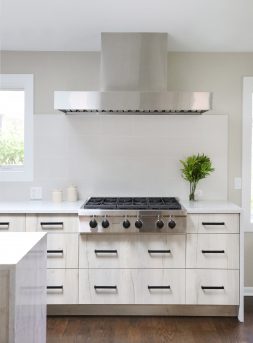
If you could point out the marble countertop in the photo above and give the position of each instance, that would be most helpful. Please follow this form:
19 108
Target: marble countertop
35 206
15 245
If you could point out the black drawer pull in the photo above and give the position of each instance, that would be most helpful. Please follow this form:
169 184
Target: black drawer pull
158 287
46 225
212 287
55 251
5 224
55 287
213 251
97 251
213 223
159 251
105 287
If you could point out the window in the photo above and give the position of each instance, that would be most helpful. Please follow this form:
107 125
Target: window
247 153
16 127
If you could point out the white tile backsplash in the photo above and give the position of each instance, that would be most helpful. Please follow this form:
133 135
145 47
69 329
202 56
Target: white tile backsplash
124 154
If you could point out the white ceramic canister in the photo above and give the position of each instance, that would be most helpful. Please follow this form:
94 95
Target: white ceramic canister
72 193
57 195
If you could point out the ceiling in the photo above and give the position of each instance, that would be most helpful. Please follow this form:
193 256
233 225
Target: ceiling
75 25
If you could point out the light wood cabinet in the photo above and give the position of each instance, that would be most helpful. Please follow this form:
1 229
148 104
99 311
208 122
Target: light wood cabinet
219 251
213 223
12 222
132 251
62 286
62 250
52 223
212 287
132 286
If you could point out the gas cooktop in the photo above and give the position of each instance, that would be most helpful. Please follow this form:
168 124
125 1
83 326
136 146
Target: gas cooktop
129 203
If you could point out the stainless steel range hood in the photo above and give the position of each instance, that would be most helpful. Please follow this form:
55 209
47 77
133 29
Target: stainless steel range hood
133 73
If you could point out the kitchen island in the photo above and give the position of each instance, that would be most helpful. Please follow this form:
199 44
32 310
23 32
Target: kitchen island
22 287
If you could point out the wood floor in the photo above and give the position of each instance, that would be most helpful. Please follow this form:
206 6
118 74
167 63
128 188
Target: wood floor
151 329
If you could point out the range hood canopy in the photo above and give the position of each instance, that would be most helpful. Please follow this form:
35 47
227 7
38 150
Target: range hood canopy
133 74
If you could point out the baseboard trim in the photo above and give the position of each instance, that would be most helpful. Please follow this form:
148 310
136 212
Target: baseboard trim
143 310
248 291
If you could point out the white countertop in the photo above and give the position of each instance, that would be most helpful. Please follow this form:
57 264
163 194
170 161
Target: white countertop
15 245
35 206
211 207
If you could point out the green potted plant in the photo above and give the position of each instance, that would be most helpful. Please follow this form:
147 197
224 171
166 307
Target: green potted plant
195 168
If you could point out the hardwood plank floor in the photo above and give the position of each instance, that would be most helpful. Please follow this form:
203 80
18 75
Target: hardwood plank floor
152 329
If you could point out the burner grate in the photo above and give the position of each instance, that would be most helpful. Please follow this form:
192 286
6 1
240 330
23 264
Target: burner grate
128 203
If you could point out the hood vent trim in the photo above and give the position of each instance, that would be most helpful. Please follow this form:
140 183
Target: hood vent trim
132 102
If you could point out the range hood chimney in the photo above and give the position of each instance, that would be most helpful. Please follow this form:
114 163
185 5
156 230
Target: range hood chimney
133 79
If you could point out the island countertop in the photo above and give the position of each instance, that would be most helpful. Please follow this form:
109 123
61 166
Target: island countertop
15 245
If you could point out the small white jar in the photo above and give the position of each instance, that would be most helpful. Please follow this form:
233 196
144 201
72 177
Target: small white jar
57 195
72 193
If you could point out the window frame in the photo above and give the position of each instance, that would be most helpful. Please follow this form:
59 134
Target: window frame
247 152
21 82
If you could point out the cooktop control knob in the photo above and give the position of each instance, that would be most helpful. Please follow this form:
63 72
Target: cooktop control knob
105 223
138 224
159 223
171 223
93 223
126 224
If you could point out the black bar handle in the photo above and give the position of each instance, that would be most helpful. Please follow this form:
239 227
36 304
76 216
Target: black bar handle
158 287
55 251
213 223
105 287
212 287
7 224
97 251
51 224
213 251
55 287
159 251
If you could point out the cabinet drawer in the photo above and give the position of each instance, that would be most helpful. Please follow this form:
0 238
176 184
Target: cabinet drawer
13 222
62 250
212 287
105 251
105 286
126 251
212 251
159 286
131 286
213 223
52 223
62 286
159 251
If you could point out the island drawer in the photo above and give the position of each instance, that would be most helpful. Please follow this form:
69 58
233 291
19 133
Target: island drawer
213 223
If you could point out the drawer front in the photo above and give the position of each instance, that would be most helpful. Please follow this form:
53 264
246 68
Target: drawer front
52 223
62 286
138 251
212 251
104 251
13 222
213 223
159 286
62 250
105 286
159 251
212 287
131 286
